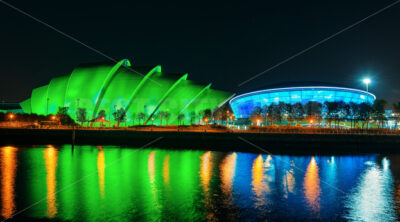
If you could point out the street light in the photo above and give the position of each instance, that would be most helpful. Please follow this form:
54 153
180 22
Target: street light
367 81
11 116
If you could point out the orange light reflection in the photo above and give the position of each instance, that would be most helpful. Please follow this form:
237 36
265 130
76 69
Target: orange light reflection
228 167
312 189
206 170
258 180
101 169
50 156
8 171
151 166
166 169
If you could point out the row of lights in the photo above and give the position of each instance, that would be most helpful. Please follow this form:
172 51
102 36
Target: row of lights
11 116
366 81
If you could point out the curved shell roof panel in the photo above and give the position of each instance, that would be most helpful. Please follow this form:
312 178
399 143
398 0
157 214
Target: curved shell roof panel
109 87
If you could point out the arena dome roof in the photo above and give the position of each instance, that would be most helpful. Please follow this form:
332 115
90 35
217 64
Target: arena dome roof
297 92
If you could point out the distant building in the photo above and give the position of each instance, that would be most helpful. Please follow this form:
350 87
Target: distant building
10 107
300 92
392 119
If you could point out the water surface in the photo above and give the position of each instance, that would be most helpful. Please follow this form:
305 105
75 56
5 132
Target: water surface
106 183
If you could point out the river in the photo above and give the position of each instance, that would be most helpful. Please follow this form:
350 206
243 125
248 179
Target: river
109 183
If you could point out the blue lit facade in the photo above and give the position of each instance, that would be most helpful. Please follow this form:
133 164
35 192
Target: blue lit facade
243 105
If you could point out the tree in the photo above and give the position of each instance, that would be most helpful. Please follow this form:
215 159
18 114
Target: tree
63 117
298 112
256 115
192 117
332 110
290 114
133 116
63 110
364 113
335 111
283 110
120 116
378 109
313 111
274 113
101 114
345 111
141 117
161 116
354 110
152 118
166 116
181 118
267 114
81 115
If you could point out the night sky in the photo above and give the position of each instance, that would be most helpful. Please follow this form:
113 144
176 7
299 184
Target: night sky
224 43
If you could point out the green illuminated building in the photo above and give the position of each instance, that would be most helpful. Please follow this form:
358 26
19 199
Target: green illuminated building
144 91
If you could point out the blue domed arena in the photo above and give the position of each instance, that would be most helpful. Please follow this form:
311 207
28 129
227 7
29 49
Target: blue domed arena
244 104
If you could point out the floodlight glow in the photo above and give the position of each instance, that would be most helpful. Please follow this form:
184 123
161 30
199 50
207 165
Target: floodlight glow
367 81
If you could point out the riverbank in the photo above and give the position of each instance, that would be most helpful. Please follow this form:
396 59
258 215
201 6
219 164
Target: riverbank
289 143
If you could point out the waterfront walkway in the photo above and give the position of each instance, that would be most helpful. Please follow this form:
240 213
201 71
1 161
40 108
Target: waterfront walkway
327 141
223 129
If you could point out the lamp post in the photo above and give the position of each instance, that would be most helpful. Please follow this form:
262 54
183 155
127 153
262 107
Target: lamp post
366 81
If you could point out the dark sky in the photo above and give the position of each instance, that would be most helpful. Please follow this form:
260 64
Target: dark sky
224 43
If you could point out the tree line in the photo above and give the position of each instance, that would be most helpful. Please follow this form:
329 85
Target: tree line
332 113
61 117
162 117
